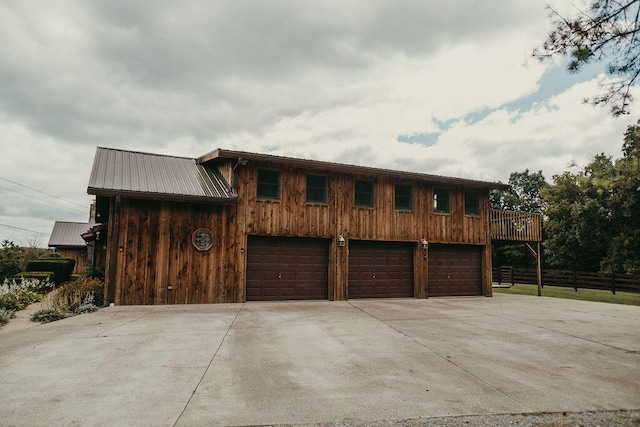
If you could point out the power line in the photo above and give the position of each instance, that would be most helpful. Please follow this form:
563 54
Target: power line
42 202
42 192
24 229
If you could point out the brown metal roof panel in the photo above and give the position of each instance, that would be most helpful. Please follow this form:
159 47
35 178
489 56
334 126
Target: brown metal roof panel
68 233
135 172
350 169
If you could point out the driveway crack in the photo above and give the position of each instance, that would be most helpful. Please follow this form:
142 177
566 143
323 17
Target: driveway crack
446 359
208 366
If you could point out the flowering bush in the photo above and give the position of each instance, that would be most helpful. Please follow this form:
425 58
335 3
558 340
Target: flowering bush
17 294
5 315
80 292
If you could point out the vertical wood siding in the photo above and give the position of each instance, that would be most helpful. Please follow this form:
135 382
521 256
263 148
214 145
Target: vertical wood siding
292 216
77 254
157 262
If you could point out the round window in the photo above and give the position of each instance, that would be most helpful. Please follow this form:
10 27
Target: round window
202 239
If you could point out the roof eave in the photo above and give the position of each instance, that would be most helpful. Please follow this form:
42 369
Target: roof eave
350 169
160 196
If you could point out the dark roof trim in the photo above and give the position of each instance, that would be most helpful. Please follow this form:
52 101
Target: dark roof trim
161 196
350 169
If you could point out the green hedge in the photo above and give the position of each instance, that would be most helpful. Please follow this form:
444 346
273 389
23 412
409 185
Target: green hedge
40 275
61 267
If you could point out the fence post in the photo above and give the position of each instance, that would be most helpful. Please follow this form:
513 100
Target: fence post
575 280
513 282
613 283
499 275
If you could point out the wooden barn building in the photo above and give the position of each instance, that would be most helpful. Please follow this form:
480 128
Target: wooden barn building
235 226
67 241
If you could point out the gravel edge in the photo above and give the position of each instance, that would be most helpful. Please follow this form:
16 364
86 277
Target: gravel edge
562 419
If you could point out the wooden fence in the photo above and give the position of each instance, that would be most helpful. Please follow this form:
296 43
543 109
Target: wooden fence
569 279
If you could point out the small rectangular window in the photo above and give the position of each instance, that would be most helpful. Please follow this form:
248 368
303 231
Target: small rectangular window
403 197
471 203
364 193
268 184
316 189
441 200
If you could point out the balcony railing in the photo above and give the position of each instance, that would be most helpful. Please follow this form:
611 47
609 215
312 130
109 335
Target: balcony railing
516 226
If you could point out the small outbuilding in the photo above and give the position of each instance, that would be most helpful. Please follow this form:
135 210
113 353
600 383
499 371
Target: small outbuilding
66 239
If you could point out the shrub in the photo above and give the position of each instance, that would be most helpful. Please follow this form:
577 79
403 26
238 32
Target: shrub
48 315
91 272
11 257
40 275
80 292
5 315
61 267
86 308
19 299
17 294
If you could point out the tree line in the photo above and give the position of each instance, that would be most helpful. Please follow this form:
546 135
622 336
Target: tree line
591 217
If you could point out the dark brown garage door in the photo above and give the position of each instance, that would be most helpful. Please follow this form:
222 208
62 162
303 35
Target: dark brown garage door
380 269
286 268
454 270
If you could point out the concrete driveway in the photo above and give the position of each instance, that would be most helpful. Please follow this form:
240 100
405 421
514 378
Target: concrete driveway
315 362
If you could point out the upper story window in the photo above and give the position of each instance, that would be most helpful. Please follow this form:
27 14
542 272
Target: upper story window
316 189
403 197
471 203
440 200
268 184
363 193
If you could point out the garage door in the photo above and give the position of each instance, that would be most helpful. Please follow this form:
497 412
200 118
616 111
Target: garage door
454 270
286 268
380 269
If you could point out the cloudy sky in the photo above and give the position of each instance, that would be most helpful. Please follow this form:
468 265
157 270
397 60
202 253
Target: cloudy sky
438 86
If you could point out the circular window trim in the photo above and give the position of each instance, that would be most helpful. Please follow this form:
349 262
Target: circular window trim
202 239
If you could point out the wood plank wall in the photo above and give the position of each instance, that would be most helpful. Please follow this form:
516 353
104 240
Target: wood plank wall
78 254
152 249
292 216
157 262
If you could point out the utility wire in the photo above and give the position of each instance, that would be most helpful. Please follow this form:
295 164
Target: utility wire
42 202
42 192
24 229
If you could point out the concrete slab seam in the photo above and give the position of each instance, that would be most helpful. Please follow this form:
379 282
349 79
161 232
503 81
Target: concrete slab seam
449 360
208 366
558 332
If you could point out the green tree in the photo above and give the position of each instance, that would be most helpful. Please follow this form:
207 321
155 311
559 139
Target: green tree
607 30
623 255
11 258
578 217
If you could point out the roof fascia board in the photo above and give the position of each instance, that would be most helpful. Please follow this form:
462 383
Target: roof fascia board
350 169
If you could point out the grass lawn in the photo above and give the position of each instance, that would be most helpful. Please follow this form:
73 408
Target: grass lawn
582 294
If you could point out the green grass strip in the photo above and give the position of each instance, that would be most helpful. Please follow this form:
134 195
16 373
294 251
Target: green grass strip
627 298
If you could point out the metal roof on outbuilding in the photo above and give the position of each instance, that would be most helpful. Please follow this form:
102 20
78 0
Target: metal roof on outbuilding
68 233
120 172
350 169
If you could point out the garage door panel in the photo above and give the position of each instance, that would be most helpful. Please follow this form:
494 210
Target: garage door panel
286 268
454 270
380 269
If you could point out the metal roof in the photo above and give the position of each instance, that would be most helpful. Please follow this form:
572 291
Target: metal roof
120 172
68 233
350 169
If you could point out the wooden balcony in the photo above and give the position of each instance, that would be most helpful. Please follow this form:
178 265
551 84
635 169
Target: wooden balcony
516 226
